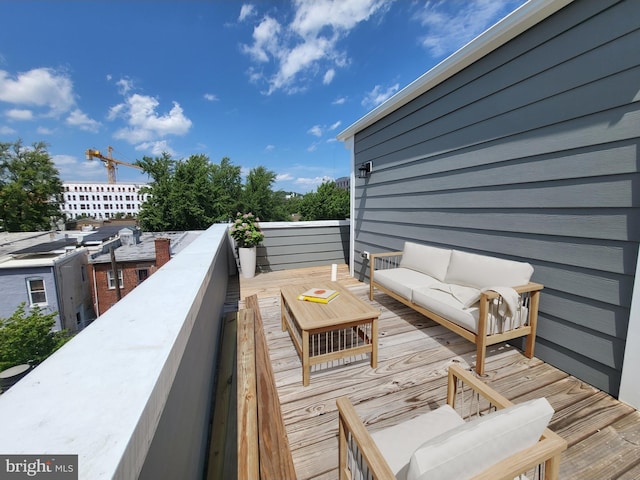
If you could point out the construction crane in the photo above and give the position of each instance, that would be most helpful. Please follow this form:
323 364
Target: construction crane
109 162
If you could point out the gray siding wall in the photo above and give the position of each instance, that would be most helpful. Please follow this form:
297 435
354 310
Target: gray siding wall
290 245
530 154
13 290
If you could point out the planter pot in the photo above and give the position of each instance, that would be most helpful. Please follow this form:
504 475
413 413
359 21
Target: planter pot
10 376
247 261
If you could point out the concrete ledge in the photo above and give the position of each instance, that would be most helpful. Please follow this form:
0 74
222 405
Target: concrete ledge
103 394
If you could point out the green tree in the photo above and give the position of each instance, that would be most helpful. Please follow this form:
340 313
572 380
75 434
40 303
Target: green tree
328 202
188 194
27 337
30 188
192 194
289 203
257 196
227 185
155 213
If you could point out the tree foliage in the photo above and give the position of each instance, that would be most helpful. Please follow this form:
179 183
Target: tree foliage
28 338
328 202
192 194
30 188
188 194
258 197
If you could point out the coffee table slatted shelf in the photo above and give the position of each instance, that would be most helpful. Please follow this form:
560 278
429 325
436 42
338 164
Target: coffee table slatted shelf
343 328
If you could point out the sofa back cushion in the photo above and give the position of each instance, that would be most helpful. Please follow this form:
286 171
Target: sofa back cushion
482 271
433 261
468 449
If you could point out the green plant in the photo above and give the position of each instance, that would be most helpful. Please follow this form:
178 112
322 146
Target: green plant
245 230
26 337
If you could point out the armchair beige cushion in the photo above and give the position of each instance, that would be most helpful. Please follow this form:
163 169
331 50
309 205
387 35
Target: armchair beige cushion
472 447
398 441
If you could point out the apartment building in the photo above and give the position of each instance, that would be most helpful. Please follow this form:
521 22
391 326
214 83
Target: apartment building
102 200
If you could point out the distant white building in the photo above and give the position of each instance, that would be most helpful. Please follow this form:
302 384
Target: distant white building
102 200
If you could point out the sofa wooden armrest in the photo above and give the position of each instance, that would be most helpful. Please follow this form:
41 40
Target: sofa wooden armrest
382 260
360 456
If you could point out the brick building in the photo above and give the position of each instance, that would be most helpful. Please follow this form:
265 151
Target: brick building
136 256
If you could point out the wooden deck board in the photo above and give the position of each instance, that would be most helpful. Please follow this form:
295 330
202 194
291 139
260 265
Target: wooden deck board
414 354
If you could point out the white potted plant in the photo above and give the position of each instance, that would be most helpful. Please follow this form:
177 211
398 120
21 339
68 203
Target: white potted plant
247 235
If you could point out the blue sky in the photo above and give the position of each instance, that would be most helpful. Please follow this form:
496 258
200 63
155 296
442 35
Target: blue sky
266 83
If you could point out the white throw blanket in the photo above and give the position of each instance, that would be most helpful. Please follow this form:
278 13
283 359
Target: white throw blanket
510 300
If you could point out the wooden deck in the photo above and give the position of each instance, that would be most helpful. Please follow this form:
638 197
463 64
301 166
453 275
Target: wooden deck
414 353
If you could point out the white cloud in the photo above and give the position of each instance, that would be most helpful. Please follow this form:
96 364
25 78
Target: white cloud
246 11
71 166
61 160
125 85
312 16
144 123
44 131
308 45
211 97
40 87
313 182
116 111
284 177
299 58
316 131
335 125
449 27
265 40
328 76
79 119
156 148
339 101
4 130
270 148
19 114
377 96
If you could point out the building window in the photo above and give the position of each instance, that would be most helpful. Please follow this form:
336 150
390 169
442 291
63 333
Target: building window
110 280
143 274
37 293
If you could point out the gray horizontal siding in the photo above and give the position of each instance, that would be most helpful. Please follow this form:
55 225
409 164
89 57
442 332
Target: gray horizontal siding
14 291
303 244
531 153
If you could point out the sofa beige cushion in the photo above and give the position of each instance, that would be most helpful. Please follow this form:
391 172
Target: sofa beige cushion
441 303
432 261
481 271
468 449
398 442
403 280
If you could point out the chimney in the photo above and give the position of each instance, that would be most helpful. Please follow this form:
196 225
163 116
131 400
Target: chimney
163 251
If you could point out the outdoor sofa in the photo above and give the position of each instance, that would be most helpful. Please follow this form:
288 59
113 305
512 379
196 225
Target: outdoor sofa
477 434
485 299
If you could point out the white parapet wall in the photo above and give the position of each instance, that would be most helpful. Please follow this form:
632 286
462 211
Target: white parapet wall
108 394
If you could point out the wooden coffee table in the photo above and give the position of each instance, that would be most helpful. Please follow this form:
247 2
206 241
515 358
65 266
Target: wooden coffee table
344 327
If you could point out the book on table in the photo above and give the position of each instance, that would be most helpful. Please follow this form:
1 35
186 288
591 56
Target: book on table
318 295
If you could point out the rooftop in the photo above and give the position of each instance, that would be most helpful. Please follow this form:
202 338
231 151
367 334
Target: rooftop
145 250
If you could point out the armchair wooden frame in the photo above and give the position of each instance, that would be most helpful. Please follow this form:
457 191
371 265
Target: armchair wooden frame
470 397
